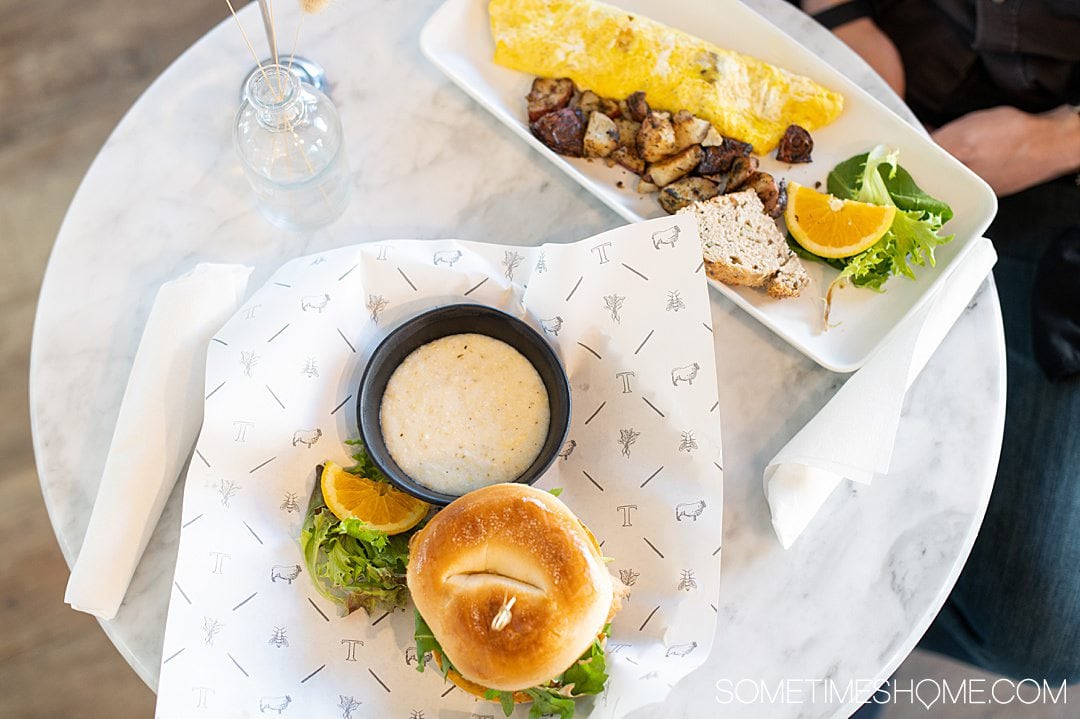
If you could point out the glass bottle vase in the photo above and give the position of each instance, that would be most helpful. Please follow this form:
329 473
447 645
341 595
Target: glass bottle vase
289 139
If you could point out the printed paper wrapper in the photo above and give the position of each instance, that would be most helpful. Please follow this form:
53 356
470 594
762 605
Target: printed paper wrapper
628 311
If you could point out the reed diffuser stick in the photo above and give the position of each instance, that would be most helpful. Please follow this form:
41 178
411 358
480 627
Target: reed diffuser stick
268 26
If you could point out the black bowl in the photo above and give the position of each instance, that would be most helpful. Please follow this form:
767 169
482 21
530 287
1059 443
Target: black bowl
452 320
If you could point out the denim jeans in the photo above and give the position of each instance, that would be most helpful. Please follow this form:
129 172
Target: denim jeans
1015 610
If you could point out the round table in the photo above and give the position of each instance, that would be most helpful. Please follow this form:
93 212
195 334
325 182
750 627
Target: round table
847 603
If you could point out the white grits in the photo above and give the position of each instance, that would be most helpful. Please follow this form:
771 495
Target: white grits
464 411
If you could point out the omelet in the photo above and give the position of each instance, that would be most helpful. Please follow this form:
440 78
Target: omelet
615 53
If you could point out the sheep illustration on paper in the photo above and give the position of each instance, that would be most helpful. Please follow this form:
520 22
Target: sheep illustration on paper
411 658
666 237
274 704
316 303
446 257
552 326
284 572
680 650
685 374
692 510
306 437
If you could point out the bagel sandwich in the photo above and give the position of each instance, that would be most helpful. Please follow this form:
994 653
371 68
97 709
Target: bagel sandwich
513 599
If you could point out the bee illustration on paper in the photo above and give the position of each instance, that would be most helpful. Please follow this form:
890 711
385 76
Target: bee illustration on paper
687 582
279 638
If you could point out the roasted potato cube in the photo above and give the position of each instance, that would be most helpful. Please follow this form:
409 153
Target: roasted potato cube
644 187
628 130
563 131
588 102
741 169
601 135
637 106
713 138
548 95
685 192
795 146
772 195
656 138
627 157
689 130
672 168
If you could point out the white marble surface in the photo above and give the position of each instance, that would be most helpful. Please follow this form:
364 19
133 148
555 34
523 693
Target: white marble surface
847 602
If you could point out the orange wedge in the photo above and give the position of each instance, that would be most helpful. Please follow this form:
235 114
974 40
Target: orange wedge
377 504
831 227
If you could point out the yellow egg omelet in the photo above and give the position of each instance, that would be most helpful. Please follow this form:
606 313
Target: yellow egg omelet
614 53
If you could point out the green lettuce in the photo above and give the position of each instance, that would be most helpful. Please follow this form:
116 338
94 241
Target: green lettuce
875 177
585 676
350 564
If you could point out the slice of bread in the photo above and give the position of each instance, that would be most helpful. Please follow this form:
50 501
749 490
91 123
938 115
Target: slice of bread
741 245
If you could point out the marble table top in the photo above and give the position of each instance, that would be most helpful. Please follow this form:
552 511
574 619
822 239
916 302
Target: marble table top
846 603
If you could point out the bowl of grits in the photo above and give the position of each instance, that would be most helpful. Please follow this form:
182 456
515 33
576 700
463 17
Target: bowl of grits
462 397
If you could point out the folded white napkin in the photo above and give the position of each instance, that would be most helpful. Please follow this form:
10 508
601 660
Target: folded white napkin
159 419
828 450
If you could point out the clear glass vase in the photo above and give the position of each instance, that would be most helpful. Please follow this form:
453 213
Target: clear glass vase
288 136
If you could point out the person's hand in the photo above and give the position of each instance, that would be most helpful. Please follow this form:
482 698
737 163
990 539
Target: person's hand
1014 150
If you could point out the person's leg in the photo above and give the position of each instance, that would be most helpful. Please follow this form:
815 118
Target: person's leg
1015 609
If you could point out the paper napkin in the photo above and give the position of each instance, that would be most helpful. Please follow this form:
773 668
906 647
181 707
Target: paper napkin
159 419
852 436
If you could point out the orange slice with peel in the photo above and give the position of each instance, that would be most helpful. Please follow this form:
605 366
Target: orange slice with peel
831 227
377 504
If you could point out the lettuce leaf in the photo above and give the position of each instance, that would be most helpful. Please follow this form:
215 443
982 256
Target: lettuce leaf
351 565
426 643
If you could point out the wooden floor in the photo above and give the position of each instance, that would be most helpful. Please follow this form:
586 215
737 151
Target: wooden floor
70 71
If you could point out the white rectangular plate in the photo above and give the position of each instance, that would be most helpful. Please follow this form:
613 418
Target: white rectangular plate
458 40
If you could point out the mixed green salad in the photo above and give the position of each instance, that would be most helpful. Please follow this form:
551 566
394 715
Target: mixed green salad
877 178
350 564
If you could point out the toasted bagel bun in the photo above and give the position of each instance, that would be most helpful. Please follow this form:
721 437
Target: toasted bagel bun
518 550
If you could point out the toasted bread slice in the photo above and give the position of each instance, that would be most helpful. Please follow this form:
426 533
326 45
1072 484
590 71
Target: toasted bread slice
741 245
